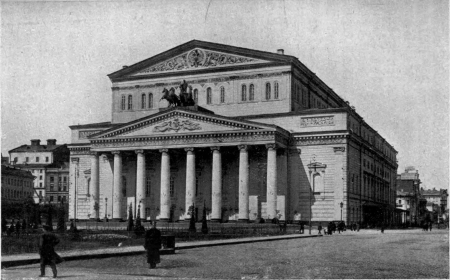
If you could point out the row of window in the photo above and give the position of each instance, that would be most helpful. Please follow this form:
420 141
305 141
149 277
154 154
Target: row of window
244 97
60 179
60 198
27 159
8 193
16 182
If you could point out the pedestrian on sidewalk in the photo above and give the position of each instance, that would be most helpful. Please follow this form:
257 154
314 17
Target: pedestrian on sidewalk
431 226
152 245
302 227
382 227
47 243
320 228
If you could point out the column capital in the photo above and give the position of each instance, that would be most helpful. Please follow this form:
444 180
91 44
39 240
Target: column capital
271 146
189 149
139 151
215 148
242 147
163 150
94 154
115 152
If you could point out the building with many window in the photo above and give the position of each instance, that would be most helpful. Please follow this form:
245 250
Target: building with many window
37 159
408 194
436 201
17 184
245 133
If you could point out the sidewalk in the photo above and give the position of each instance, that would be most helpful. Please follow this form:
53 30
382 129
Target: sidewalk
24 259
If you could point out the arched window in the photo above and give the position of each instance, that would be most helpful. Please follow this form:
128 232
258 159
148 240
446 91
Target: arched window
196 96
275 90
222 95
251 96
123 103
267 91
244 93
143 101
208 95
130 102
150 100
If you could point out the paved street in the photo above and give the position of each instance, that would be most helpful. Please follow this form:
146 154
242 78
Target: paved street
367 254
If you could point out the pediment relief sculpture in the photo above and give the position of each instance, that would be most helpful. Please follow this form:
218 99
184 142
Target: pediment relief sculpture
198 58
177 125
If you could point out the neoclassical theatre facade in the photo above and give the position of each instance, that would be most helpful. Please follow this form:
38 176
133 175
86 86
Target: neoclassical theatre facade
261 137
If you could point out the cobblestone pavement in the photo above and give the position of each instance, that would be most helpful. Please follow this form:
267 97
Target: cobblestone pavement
367 254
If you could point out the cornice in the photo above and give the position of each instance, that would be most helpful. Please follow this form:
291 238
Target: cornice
319 139
204 81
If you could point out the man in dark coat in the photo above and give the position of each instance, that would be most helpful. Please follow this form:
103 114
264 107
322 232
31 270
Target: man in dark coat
152 245
47 243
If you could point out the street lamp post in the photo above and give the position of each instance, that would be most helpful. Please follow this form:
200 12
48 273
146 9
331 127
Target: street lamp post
342 205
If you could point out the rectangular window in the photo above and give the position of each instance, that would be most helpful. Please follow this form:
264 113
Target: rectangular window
51 198
147 212
40 171
59 198
40 177
52 179
46 159
37 159
64 179
27 159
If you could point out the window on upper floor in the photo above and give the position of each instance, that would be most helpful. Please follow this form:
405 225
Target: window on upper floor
27 159
37 159
244 93
130 102
268 91
251 95
208 96
143 100
46 159
150 100
196 96
275 90
122 105
222 94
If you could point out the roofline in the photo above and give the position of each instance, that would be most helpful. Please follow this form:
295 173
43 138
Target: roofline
91 125
203 44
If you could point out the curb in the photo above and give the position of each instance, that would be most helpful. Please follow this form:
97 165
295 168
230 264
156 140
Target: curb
34 260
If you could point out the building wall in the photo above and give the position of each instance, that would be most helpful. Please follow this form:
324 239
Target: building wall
16 187
44 157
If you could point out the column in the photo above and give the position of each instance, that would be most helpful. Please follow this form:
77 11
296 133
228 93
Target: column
243 183
165 185
190 180
140 182
271 181
117 191
216 193
95 187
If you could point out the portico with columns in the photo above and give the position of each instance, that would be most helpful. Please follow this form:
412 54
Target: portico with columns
194 158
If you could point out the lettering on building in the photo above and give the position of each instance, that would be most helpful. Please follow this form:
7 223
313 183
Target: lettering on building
317 121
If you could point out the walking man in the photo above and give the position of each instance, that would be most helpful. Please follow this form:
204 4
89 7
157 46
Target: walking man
47 243
152 245
320 228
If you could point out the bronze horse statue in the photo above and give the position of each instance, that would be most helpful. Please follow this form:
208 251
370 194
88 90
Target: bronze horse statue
186 98
171 97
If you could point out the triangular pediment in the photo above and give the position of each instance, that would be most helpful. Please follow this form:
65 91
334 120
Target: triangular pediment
198 55
181 121
198 58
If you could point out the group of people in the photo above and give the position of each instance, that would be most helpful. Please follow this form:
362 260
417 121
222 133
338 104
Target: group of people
426 226
17 228
48 257
339 226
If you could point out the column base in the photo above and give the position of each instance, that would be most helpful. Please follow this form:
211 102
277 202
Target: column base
215 220
242 220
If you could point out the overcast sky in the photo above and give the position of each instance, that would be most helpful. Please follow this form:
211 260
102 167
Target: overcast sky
389 59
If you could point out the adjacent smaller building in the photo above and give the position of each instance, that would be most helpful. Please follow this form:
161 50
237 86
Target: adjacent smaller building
436 202
38 159
408 195
17 185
